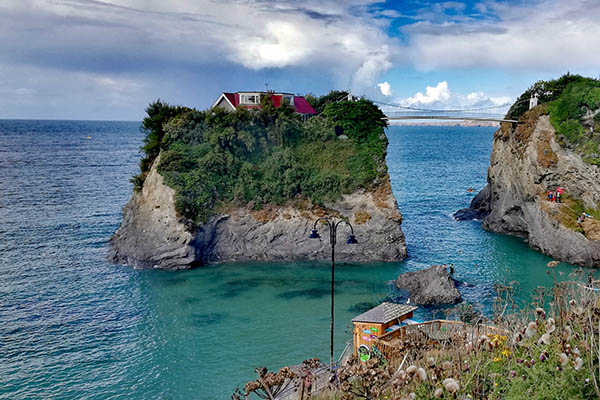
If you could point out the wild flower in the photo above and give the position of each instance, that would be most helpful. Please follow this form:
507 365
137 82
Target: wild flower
505 352
550 325
497 340
578 363
482 340
564 359
497 359
422 374
411 370
531 329
517 338
439 392
540 313
542 357
451 385
567 333
446 365
431 361
544 339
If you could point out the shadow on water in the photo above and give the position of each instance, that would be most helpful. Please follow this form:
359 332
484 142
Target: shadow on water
363 306
174 281
208 319
313 293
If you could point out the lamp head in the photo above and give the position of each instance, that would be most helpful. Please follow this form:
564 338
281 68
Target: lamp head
351 240
314 234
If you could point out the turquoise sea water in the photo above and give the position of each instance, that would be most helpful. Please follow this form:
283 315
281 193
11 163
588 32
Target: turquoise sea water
73 326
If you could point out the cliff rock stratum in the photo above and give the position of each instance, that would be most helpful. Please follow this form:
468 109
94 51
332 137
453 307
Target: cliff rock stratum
248 185
555 145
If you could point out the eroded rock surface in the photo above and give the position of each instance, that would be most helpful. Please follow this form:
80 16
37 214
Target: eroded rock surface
526 162
152 235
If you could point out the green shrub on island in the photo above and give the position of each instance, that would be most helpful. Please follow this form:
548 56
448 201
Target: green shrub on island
574 107
265 156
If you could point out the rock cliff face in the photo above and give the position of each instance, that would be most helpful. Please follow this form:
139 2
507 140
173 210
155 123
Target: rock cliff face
526 162
152 235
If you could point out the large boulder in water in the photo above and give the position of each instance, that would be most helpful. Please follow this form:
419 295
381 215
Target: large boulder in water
431 286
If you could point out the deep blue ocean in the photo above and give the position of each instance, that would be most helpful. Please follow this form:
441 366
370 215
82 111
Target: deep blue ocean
73 326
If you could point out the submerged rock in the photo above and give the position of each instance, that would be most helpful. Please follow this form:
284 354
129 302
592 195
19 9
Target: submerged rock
152 235
478 209
431 286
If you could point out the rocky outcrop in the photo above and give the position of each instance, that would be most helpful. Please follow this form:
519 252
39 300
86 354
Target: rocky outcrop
431 286
526 162
478 209
152 235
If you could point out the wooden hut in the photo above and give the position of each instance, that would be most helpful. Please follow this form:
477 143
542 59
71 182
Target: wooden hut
378 321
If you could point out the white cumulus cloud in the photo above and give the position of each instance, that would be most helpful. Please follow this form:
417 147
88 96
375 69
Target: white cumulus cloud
441 97
385 88
433 94
553 35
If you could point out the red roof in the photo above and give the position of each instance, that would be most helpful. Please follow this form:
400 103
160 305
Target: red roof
301 106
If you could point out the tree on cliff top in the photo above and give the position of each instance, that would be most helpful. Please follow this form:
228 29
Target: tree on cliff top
265 156
159 112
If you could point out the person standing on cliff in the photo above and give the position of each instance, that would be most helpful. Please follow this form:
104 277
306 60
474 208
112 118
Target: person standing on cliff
550 195
557 196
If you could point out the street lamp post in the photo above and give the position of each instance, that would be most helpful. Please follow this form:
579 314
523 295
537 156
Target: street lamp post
333 226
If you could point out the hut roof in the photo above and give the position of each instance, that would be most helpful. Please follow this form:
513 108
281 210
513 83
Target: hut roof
384 313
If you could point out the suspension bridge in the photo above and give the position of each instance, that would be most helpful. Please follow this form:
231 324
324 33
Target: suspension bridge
397 112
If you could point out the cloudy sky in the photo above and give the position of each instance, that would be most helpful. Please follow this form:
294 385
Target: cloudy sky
107 59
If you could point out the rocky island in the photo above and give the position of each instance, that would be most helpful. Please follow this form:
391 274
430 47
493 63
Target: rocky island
555 146
245 185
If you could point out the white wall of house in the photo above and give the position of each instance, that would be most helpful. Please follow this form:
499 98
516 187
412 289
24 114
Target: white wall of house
223 103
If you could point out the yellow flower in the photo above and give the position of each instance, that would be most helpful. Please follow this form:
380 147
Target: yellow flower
505 352
495 384
497 359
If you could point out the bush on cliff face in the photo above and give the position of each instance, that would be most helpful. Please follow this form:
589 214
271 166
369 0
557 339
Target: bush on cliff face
267 156
573 103
572 117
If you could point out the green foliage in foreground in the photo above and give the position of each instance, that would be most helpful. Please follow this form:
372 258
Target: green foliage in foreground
267 156
572 101
548 351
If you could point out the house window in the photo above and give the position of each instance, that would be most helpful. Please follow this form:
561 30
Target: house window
250 99
288 100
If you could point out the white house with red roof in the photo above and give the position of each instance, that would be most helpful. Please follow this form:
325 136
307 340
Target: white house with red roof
231 101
